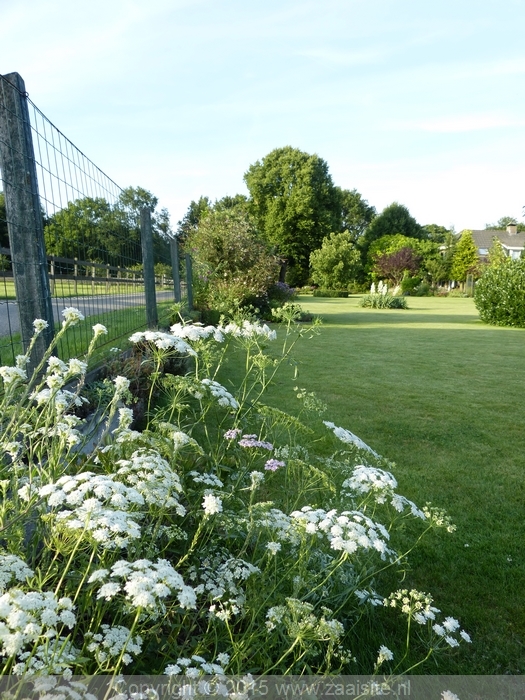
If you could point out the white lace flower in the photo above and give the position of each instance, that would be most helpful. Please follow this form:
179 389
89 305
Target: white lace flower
349 438
71 316
99 329
12 567
384 655
39 325
211 504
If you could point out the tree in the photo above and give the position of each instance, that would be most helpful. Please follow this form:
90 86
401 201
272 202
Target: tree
232 262
392 266
502 224
94 230
191 218
394 219
337 263
427 253
86 229
497 255
465 260
295 205
436 233
356 213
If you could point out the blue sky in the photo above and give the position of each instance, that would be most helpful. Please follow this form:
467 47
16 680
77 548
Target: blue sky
407 100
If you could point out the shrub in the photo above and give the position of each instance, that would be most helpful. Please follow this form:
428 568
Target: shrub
382 298
331 293
280 292
423 289
337 263
409 284
499 295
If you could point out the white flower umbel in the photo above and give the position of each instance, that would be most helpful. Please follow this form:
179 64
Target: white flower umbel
27 618
163 341
151 475
194 669
144 584
60 401
12 567
381 486
299 619
418 606
195 332
384 654
347 531
98 505
273 547
99 329
39 325
10 375
221 577
224 398
349 438
71 316
211 504
249 330
108 644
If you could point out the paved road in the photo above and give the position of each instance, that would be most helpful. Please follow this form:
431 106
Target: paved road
89 306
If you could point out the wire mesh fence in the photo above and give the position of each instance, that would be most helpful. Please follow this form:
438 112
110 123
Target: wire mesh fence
70 236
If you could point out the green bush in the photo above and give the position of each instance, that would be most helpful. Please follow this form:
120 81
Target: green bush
410 284
499 295
380 297
383 301
423 289
341 293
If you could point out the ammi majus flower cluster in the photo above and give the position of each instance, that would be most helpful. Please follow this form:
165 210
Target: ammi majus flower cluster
217 539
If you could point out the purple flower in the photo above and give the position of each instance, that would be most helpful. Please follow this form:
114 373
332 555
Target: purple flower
252 441
232 434
272 465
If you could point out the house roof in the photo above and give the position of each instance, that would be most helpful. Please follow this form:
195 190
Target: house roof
484 239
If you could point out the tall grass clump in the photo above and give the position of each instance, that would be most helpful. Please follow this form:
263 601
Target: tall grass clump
225 537
382 298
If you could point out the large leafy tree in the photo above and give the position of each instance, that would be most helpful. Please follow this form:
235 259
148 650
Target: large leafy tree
337 263
295 204
437 233
191 218
465 260
95 230
393 266
356 213
394 219
502 224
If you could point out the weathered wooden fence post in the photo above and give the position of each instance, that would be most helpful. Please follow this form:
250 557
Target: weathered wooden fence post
148 263
175 268
24 215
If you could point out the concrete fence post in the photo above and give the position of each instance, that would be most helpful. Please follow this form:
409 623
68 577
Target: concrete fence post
148 263
24 214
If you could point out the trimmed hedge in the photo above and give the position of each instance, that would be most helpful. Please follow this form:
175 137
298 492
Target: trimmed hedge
341 293
499 295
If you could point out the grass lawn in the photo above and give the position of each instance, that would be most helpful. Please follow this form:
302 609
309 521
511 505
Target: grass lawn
443 396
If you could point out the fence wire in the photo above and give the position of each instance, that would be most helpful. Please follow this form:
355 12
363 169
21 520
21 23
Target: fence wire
91 230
